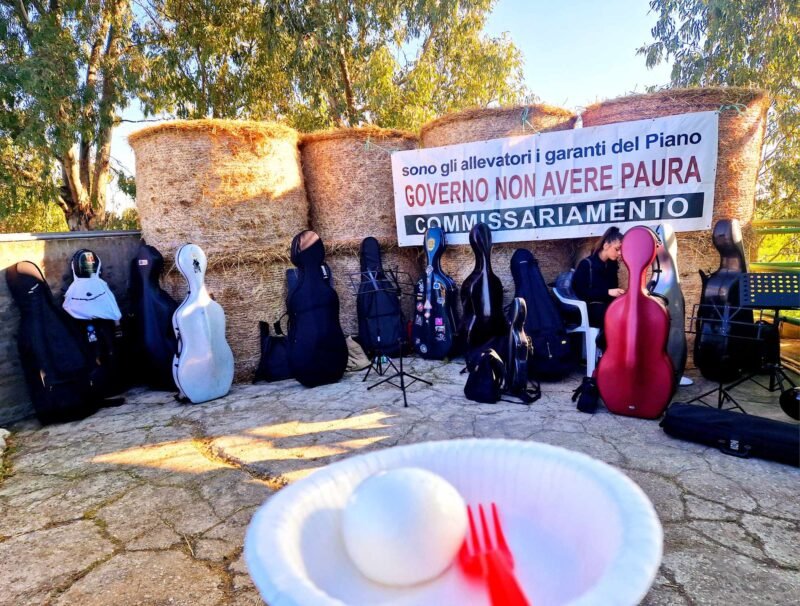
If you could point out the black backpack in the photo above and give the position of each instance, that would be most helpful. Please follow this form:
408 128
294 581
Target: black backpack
317 347
274 362
486 376
552 357
380 320
55 364
587 395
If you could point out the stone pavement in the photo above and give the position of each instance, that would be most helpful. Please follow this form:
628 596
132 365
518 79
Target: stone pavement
147 503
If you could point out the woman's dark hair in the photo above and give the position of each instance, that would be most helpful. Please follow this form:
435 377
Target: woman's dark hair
612 235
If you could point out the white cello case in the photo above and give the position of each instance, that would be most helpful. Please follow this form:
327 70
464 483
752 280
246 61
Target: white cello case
203 366
668 285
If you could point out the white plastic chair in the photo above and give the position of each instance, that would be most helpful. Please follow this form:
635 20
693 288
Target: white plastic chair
590 351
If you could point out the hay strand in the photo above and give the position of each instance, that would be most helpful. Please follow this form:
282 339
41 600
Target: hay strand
481 124
348 176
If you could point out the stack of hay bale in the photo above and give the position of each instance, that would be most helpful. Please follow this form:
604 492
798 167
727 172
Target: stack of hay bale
742 119
554 256
235 189
348 177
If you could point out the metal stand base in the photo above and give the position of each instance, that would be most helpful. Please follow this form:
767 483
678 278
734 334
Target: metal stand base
777 376
381 368
723 397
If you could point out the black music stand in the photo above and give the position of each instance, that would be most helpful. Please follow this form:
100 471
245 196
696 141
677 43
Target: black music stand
398 283
730 324
776 292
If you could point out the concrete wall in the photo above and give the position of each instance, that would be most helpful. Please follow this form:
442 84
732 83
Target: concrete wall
52 253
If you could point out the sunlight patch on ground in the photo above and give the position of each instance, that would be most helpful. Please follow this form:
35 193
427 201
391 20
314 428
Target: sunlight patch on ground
373 420
182 457
256 445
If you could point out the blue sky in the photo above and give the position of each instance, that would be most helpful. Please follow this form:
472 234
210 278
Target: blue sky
576 52
580 51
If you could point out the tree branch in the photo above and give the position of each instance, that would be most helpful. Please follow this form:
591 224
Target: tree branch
88 112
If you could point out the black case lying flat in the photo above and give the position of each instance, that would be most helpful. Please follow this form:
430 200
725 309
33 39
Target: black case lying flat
734 433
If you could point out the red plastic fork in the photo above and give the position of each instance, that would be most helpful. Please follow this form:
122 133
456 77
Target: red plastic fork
481 555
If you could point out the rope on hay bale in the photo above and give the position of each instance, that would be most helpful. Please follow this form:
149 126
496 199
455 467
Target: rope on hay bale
742 120
348 176
481 124
228 186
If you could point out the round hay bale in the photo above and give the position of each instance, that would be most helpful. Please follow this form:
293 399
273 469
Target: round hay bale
481 124
248 292
231 187
348 177
345 261
742 119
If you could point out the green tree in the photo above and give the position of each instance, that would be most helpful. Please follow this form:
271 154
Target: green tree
742 43
327 62
65 72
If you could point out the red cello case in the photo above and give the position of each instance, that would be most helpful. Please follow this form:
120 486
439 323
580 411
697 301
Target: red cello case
635 375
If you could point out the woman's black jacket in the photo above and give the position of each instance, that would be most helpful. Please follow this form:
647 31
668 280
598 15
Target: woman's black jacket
594 278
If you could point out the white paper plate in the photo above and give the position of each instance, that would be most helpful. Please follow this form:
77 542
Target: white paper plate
581 532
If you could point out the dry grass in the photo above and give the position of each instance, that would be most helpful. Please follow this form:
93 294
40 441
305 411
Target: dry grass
230 187
348 176
482 124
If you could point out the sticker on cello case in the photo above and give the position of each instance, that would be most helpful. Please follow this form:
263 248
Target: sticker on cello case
439 321
431 243
423 348
437 286
420 307
418 321
429 269
144 262
440 336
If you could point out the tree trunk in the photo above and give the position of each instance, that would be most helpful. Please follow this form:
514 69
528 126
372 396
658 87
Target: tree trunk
78 212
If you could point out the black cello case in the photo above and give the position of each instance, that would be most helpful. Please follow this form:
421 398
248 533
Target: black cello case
152 339
317 346
54 362
481 294
551 358
435 317
380 319
721 347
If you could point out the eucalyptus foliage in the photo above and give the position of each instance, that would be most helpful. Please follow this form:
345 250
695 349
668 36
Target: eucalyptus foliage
66 67
742 43
325 63
69 67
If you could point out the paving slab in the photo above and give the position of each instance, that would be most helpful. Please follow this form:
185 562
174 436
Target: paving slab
148 502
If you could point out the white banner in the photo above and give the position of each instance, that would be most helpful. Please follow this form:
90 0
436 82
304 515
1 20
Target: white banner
564 184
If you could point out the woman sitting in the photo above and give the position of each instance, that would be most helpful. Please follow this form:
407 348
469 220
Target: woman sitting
595 280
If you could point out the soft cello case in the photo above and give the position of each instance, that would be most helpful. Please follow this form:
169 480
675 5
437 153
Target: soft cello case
551 357
152 337
317 347
53 360
95 312
380 320
734 433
